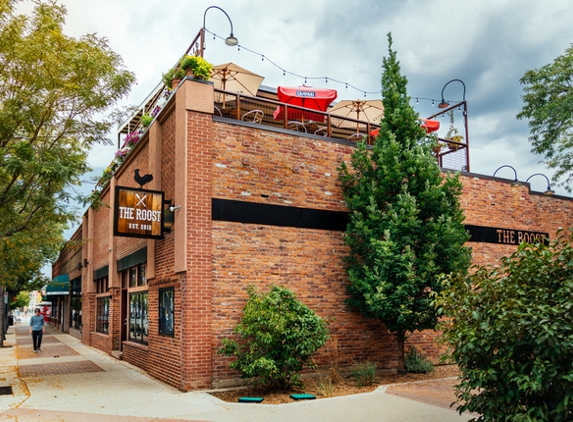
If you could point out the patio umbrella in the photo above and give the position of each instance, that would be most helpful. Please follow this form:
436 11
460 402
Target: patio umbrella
370 111
429 125
307 97
231 77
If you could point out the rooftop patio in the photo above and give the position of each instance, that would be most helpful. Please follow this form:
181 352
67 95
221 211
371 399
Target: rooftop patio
266 109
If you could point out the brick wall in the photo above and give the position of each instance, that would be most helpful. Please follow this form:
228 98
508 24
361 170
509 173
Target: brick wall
257 165
100 243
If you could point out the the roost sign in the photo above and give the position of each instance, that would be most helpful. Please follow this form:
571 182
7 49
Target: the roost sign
138 213
505 236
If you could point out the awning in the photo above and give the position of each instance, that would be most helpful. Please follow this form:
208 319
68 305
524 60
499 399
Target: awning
60 285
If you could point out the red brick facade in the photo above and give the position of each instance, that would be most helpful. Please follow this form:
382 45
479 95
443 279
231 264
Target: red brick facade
194 158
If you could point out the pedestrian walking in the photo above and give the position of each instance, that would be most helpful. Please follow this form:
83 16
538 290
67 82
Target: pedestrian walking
37 328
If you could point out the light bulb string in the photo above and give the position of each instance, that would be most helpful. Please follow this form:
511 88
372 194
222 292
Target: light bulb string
307 78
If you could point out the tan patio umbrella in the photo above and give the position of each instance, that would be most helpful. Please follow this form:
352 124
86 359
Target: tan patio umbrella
231 77
370 111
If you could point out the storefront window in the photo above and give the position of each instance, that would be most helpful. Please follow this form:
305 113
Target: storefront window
102 318
166 310
76 304
141 280
132 277
138 317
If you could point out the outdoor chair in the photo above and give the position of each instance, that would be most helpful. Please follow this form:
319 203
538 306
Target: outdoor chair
321 131
254 116
217 111
295 125
357 137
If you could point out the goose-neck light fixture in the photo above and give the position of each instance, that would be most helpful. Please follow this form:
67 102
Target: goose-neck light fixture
548 191
515 182
230 40
444 103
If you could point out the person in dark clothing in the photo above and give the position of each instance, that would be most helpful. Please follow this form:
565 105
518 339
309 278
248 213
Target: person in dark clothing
37 328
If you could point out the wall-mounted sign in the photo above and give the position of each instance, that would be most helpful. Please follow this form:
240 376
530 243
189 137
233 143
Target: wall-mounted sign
138 213
505 236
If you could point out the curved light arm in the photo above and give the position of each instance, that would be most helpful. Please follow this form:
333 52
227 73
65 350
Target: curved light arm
548 191
515 181
230 40
444 103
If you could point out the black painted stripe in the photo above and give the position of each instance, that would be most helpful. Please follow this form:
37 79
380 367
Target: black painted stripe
278 215
307 218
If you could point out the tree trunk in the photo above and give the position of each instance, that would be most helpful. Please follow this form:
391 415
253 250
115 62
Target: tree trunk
401 339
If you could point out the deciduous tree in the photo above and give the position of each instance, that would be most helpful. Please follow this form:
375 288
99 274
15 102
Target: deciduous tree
547 104
406 223
54 91
510 330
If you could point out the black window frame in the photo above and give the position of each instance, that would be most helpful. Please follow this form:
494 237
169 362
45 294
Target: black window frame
167 311
102 314
139 317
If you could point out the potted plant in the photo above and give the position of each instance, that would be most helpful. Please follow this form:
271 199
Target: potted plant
453 134
173 74
197 67
146 119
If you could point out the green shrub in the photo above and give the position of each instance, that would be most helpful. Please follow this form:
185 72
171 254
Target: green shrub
364 373
511 333
278 334
417 363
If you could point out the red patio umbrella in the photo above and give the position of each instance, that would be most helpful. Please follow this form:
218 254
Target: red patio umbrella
307 97
429 125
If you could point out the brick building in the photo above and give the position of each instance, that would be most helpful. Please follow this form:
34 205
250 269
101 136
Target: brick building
252 204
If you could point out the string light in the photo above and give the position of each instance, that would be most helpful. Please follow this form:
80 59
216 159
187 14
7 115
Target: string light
307 78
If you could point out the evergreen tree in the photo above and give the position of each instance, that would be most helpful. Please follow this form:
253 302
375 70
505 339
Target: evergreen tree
406 224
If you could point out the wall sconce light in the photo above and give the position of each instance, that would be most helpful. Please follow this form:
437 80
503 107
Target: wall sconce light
79 266
548 191
444 103
174 208
86 262
515 182
230 40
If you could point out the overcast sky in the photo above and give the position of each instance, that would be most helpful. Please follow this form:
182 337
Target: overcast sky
488 44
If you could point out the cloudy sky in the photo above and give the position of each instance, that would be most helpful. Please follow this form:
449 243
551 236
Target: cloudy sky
488 44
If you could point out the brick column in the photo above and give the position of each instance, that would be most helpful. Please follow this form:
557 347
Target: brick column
193 191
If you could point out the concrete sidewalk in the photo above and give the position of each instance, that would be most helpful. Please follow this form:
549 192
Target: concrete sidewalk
69 381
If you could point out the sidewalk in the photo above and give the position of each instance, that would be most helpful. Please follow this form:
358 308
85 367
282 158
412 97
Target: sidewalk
69 381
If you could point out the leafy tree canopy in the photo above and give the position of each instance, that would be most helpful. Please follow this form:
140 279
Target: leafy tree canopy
54 90
406 224
22 299
510 330
548 101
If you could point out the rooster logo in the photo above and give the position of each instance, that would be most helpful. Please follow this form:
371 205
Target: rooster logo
142 180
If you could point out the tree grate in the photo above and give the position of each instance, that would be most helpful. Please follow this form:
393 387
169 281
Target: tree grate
5 391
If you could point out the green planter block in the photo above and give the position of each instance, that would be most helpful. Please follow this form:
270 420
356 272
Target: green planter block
302 396
250 399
